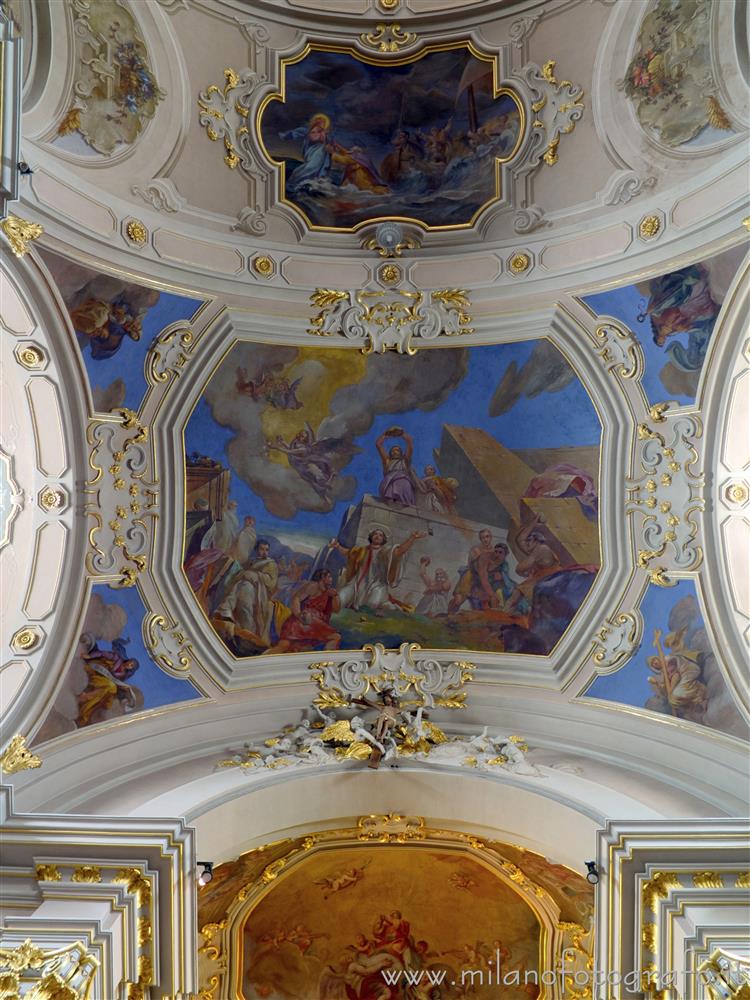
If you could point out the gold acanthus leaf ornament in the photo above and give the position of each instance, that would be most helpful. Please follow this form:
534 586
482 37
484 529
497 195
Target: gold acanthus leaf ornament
388 38
87 874
16 757
136 883
658 887
19 233
48 873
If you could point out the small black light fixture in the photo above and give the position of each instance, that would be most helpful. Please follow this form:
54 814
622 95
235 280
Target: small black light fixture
592 872
24 169
207 874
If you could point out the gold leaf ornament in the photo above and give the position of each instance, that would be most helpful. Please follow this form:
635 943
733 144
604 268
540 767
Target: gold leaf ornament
19 233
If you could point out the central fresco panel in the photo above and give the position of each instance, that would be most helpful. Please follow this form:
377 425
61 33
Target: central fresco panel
335 499
418 138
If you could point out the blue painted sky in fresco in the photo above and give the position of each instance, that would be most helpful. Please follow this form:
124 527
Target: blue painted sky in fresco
630 684
127 362
628 304
158 688
551 420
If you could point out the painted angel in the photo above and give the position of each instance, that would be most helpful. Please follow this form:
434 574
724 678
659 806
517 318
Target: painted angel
283 394
341 880
310 458
256 387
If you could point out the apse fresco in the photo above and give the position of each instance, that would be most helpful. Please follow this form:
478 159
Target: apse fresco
675 671
350 919
360 141
115 322
670 78
335 499
673 317
111 675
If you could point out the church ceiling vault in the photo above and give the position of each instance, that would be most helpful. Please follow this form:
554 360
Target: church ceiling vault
409 329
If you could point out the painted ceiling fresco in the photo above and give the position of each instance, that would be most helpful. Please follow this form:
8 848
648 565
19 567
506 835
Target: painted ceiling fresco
673 317
115 91
115 322
449 499
364 912
671 79
111 674
675 671
421 139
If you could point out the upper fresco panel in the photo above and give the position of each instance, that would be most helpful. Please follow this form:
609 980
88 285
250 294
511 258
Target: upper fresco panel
420 138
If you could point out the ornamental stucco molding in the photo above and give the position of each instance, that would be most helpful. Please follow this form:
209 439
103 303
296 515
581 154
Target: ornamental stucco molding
161 194
619 349
557 105
409 670
665 496
42 463
623 186
526 220
381 320
225 112
522 28
169 353
617 640
682 909
122 498
167 644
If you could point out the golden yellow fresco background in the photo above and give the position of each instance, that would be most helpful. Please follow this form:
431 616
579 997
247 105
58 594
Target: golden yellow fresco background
328 928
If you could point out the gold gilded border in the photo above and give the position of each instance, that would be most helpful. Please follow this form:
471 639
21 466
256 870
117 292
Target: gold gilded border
497 91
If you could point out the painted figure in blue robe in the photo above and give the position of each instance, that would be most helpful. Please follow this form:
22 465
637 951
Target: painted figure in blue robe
315 150
104 325
681 302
